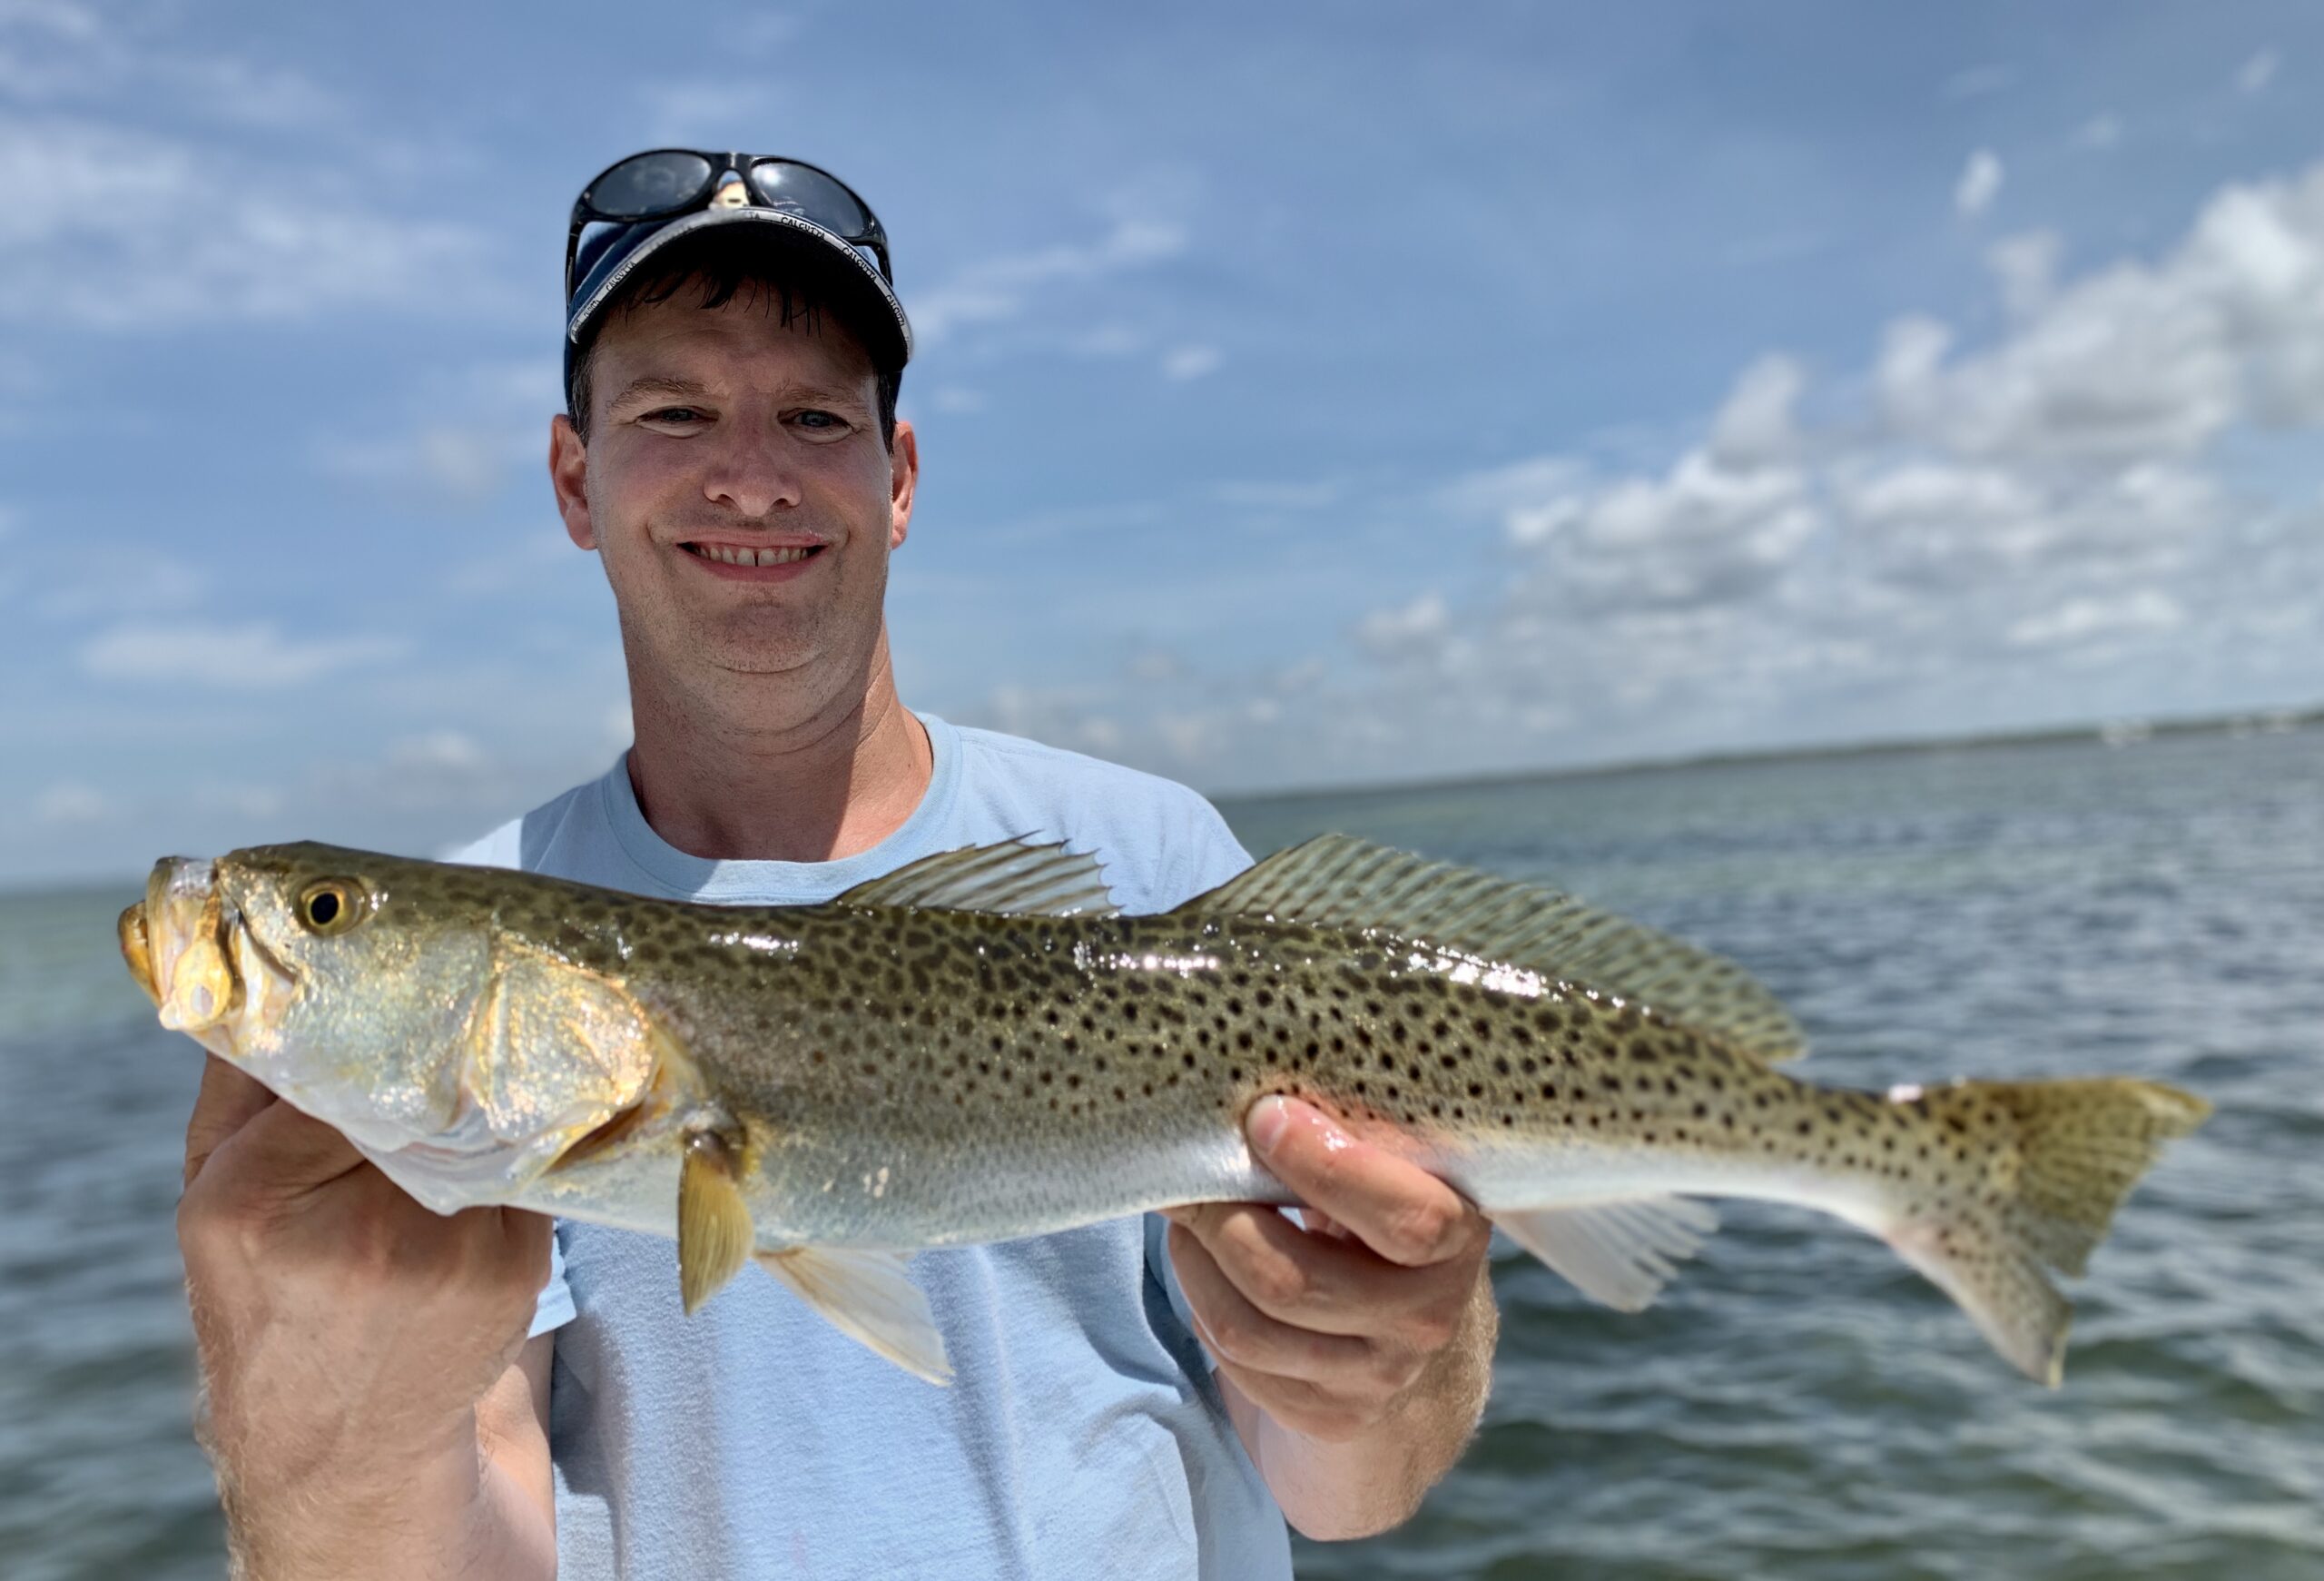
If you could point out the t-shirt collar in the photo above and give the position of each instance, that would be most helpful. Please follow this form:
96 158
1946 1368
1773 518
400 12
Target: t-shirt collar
672 872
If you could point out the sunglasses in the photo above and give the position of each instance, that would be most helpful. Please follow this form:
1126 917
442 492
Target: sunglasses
666 181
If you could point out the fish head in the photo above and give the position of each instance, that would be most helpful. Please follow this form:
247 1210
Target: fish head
343 979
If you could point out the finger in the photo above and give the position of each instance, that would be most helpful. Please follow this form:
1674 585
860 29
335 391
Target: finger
228 1101
1238 1333
1315 1282
1394 1206
284 1153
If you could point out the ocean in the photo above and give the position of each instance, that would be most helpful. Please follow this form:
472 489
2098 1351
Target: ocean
1799 1405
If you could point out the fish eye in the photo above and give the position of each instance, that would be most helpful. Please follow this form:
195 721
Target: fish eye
331 905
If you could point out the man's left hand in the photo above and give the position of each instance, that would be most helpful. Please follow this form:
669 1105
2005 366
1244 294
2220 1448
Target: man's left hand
1332 1330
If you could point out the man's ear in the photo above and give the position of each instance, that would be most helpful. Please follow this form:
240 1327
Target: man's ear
903 480
568 475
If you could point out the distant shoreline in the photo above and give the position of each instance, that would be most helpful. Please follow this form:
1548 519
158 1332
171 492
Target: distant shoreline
2116 732
2110 731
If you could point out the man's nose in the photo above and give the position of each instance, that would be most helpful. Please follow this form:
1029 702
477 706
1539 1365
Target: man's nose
752 477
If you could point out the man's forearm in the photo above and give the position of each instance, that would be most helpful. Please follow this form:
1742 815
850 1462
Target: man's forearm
454 1514
1356 1486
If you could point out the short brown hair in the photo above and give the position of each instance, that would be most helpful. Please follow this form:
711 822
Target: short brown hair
723 270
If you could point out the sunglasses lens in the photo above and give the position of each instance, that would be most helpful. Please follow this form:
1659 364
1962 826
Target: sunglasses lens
810 194
649 184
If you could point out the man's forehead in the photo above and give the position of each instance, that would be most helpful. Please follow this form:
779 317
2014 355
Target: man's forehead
679 339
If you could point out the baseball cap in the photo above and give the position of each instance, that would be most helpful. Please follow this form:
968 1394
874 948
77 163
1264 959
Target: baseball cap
637 208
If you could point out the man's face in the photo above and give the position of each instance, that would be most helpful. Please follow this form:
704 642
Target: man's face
722 435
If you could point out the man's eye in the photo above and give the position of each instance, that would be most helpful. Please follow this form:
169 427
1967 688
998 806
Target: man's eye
814 418
677 414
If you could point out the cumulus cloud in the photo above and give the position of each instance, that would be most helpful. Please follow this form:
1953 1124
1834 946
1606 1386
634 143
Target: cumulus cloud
1980 183
249 657
1937 537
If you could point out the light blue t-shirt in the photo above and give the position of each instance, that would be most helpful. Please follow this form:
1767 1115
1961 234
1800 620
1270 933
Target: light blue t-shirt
1083 1437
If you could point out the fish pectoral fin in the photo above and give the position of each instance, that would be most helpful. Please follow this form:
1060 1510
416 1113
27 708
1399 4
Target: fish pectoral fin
1014 876
715 1235
1619 1253
868 1296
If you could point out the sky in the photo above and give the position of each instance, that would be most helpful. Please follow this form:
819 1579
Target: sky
1308 394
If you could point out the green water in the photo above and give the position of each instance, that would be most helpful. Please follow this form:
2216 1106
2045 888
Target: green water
1798 1404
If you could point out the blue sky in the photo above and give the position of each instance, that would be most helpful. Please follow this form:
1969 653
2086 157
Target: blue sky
1308 394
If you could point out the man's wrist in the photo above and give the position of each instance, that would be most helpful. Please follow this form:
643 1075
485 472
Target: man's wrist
377 1513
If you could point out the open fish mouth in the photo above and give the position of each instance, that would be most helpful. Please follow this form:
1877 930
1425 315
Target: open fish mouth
188 947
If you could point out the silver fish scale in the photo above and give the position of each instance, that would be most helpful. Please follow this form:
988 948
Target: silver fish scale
920 1077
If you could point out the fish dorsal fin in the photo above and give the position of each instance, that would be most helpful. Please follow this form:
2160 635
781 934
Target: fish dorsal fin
1015 876
1337 881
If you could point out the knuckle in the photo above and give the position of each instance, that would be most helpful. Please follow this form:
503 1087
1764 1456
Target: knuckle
1391 1374
1230 1336
1421 1229
1433 1328
1276 1280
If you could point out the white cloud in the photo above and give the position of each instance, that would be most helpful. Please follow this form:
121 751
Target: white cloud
958 399
2026 267
1940 537
1189 363
2099 132
2257 71
1001 287
2137 360
78 241
2080 619
1979 184
249 657
1390 633
71 802
1756 424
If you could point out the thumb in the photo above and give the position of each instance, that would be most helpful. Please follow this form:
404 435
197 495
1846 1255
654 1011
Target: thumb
228 1100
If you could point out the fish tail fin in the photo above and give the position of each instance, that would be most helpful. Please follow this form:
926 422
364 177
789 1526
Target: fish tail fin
2047 1163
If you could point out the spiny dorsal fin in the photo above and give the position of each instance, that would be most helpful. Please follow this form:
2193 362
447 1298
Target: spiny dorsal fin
1337 881
1015 876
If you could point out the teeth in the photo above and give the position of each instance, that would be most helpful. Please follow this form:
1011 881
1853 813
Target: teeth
728 554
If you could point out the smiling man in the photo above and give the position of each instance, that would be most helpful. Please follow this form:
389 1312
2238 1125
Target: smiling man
390 1393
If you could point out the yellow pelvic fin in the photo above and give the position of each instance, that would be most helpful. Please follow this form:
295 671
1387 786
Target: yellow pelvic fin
715 1235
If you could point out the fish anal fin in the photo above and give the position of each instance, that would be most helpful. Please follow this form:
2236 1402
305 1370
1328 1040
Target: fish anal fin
1619 1253
1014 876
869 1298
715 1234
1337 881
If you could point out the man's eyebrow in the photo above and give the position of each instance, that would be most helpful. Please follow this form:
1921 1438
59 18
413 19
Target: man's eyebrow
655 384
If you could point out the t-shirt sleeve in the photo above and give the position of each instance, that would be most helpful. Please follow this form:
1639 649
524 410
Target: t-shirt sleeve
554 1310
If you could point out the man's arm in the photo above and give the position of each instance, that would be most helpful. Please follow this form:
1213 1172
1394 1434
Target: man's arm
371 1405
1355 1355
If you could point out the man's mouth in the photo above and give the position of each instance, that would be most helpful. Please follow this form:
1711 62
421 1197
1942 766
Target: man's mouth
729 554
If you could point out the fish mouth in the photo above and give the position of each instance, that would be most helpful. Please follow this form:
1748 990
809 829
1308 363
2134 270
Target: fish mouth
188 947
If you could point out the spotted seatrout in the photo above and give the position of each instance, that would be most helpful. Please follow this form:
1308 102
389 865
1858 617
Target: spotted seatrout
976 1048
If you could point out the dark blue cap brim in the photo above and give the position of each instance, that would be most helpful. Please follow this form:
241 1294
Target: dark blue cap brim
873 310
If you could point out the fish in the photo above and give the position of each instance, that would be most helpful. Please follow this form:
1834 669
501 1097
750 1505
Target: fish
979 1047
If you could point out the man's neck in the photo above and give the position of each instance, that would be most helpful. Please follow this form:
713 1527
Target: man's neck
811 785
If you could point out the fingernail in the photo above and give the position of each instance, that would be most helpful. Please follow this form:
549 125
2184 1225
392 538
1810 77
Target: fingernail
1270 1117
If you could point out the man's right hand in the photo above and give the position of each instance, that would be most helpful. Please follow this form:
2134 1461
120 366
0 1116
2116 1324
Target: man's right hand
348 1337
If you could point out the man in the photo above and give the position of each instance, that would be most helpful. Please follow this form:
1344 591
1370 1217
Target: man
391 1393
